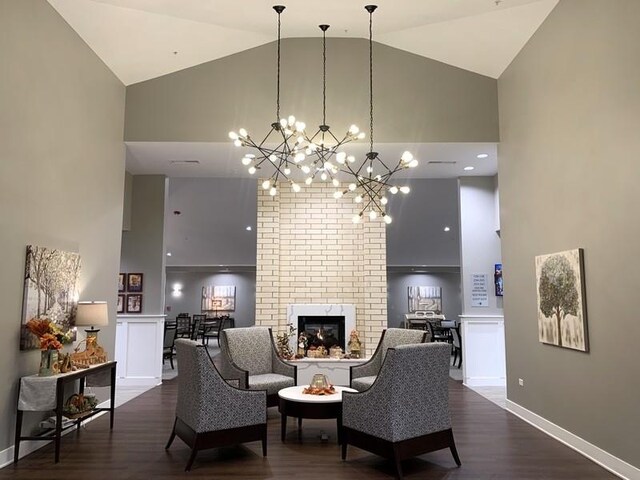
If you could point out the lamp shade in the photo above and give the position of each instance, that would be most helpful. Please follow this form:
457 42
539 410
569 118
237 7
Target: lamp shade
92 314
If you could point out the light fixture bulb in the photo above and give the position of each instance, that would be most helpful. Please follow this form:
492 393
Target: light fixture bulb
292 120
393 190
341 157
273 158
295 187
273 191
373 215
353 129
323 176
369 169
384 200
468 169
352 187
406 157
266 184
308 180
336 182
361 135
447 229
283 122
413 163
305 169
299 157
233 135
355 218
242 132
337 194
405 189
237 142
358 199
287 171
252 170
246 161
351 159
387 219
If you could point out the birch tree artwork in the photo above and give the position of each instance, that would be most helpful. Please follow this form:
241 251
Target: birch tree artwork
50 290
562 314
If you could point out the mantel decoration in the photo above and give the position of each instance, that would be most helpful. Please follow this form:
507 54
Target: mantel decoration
282 343
323 145
51 338
354 344
279 151
371 180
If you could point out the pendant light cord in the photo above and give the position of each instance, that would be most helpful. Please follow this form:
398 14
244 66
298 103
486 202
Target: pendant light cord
278 79
324 77
371 80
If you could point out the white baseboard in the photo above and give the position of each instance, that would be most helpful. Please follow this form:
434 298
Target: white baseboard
138 382
30 446
485 382
596 454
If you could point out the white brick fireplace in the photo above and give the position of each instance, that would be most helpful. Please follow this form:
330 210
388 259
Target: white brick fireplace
310 252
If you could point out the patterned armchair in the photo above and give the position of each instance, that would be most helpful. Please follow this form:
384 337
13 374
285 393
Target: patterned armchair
363 376
210 412
406 410
249 356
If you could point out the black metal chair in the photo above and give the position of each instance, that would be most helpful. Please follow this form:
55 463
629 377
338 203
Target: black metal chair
168 348
183 322
457 345
213 327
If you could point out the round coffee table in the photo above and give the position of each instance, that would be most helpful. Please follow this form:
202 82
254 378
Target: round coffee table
294 403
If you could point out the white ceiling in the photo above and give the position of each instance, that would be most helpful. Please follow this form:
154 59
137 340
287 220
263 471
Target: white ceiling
223 159
143 39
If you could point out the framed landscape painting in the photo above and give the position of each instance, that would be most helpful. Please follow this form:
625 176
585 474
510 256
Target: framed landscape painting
50 290
218 298
425 298
562 309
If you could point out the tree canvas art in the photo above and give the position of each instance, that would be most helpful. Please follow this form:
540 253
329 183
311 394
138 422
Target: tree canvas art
562 313
50 290
425 298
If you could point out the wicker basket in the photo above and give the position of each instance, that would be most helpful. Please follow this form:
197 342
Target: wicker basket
78 405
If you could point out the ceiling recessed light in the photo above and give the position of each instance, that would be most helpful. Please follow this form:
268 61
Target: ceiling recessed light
482 155
248 229
168 254
468 169
446 229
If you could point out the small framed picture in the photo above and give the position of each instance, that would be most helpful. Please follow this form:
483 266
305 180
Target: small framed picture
121 282
134 282
134 303
121 299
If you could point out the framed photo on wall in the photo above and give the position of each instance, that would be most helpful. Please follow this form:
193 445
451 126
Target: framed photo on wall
134 303
121 282
121 300
134 282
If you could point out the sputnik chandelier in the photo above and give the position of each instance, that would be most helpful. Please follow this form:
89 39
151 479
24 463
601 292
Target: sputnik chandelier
371 180
324 145
280 151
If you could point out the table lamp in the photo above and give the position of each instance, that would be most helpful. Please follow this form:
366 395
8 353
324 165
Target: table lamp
92 314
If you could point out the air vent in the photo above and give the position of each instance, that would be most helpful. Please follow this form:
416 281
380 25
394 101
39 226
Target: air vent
441 162
184 162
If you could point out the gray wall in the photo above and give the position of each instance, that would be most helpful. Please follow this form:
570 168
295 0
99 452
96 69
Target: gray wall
417 236
569 176
192 282
480 247
416 99
61 171
143 245
397 293
211 226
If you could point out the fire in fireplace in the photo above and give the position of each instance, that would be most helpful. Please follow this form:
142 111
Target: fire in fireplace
325 331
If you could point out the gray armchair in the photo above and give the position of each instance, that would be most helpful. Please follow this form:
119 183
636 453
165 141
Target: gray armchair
239 415
249 356
406 411
362 376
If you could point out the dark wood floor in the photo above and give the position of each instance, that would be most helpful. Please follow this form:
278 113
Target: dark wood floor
492 443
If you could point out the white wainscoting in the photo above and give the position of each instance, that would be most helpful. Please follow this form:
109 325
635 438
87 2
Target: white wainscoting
483 352
139 349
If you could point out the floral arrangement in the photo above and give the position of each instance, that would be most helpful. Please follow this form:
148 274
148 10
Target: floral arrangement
50 335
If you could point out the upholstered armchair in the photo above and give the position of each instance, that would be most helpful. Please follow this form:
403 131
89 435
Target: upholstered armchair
249 356
210 412
362 376
406 411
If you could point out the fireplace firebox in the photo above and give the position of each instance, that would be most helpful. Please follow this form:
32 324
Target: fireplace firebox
326 331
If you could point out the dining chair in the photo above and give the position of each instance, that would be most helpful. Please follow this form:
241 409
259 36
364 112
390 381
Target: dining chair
168 348
457 345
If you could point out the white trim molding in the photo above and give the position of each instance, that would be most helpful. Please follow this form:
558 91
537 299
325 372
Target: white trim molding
614 464
483 350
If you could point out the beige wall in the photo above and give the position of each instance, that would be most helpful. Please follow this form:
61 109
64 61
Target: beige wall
569 176
416 99
61 171
310 251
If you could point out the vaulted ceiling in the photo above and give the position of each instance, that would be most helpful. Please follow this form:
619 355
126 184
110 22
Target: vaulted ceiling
143 39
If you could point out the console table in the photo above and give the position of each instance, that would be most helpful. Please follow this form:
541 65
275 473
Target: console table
41 394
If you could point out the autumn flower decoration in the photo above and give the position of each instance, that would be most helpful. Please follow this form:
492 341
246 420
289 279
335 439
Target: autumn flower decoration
50 335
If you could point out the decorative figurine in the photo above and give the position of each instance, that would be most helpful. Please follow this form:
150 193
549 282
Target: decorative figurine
354 344
303 341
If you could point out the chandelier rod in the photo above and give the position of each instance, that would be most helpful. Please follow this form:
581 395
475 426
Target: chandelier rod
324 29
279 9
371 9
